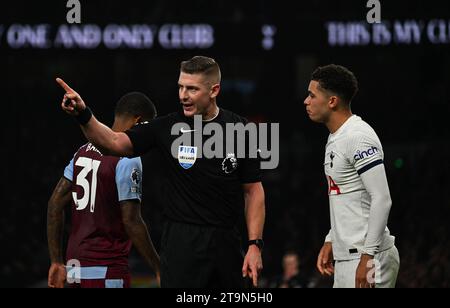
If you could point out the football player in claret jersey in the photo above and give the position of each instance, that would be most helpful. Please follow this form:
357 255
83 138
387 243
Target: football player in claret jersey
359 240
105 196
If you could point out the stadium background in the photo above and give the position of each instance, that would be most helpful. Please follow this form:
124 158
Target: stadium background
404 94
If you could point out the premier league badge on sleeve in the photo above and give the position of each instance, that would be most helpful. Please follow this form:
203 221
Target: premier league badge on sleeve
187 156
135 176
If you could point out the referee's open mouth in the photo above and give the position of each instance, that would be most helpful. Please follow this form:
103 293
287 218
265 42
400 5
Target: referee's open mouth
188 106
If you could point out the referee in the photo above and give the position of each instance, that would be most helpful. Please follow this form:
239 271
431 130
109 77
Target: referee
200 245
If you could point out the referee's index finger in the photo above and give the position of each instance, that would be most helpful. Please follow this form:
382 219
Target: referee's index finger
64 85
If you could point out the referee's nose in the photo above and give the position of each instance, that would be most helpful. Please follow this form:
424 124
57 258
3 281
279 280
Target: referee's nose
184 95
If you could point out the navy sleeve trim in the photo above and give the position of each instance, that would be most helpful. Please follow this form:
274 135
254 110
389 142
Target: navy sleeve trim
370 166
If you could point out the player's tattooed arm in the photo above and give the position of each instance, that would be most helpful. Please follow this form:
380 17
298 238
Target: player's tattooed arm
60 198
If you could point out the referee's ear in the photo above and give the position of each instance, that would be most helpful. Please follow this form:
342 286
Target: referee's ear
215 89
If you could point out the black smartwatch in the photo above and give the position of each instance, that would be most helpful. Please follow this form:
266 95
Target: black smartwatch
258 242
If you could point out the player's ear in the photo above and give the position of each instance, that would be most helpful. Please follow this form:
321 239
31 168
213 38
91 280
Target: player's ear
333 101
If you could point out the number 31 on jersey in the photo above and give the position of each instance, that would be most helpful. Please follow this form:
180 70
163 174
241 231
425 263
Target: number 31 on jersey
90 189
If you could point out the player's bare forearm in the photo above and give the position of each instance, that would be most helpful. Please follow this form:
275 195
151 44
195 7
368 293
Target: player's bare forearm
138 233
106 140
255 212
140 237
55 218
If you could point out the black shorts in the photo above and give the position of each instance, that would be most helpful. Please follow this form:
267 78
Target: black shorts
195 256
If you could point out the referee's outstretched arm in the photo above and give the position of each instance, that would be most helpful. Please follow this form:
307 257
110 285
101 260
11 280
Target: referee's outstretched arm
104 138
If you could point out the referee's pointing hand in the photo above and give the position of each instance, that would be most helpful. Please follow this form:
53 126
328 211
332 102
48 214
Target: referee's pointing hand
72 102
252 264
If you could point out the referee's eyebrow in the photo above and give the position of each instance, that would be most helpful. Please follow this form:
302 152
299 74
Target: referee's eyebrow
188 86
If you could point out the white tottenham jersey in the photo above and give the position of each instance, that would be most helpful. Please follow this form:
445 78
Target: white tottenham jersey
352 150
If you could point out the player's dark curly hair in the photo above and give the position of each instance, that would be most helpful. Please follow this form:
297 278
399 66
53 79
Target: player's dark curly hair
337 79
136 104
202 65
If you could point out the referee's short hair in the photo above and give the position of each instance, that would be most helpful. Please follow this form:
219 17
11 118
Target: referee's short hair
202 65
136 104
338 80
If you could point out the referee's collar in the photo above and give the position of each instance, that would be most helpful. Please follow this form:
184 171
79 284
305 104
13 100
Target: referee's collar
191 119
214 117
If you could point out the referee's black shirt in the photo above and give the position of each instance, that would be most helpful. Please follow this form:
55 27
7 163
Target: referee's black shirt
204 193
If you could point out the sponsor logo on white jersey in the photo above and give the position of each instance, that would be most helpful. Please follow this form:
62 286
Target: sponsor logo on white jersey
363 154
